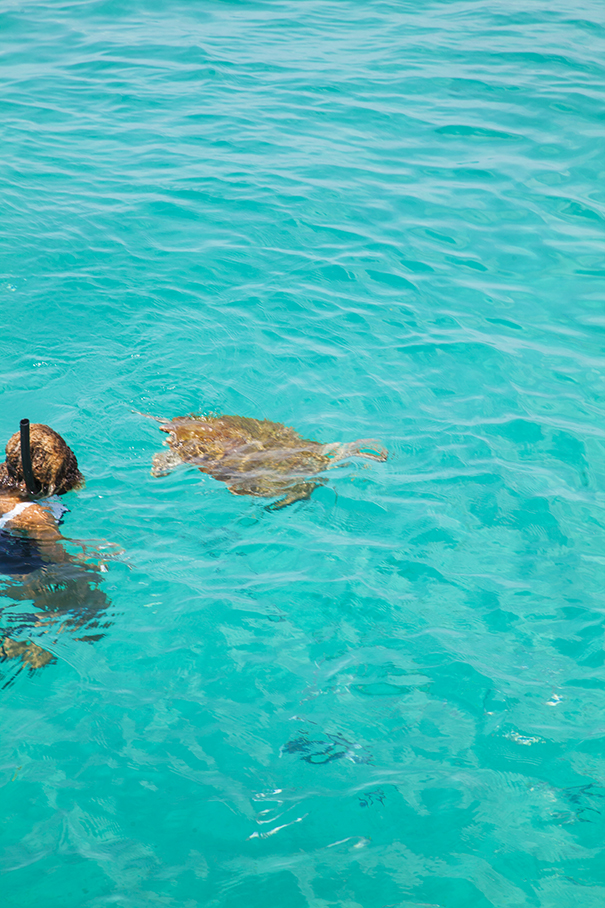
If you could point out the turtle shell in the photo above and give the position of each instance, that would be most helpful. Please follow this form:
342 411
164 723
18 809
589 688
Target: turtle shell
252 456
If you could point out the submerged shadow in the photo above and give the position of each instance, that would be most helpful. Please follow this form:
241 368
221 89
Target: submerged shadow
64 594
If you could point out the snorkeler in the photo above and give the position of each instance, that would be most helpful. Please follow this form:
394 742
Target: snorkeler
47 467
39 467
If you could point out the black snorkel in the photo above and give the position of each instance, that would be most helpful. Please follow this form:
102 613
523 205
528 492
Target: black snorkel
26 460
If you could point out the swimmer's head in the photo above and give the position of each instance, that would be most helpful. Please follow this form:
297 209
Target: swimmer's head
54 464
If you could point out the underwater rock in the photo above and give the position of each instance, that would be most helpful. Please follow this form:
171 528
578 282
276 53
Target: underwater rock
326 749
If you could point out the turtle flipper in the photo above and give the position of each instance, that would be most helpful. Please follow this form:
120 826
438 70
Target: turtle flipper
299 492
365 447
164 463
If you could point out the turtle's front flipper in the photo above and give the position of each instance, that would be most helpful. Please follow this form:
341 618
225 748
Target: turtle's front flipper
164 463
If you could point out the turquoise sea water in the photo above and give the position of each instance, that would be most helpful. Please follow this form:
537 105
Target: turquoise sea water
367 219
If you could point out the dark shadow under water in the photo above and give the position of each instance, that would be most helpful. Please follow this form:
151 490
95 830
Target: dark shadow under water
64 596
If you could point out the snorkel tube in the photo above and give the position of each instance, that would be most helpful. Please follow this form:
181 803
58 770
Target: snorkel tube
26 459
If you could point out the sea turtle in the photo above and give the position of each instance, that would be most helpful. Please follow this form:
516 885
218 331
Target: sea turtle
255 456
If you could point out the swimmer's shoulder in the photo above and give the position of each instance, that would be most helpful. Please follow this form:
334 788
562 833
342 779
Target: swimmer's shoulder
19 514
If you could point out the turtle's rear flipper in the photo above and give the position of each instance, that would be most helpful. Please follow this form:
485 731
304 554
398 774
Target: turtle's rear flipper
300 492
365 447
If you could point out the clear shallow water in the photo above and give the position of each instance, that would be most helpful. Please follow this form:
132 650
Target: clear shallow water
360 220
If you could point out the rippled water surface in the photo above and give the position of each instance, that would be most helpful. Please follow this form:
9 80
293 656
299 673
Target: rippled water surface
370 219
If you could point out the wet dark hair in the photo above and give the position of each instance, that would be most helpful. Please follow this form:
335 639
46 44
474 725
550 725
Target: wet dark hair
54 464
